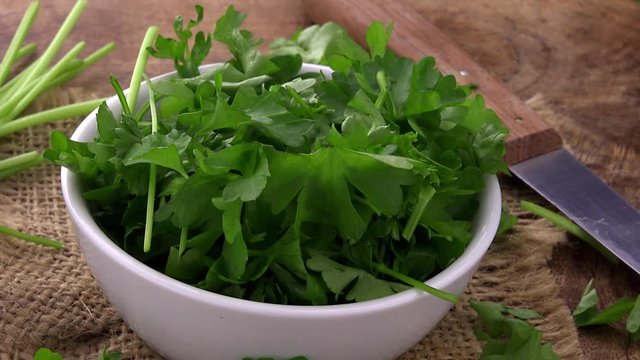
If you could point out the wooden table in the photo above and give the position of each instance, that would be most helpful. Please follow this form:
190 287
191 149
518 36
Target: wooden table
582 56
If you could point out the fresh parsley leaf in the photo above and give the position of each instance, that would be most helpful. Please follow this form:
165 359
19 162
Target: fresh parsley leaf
46 354
378 37
338 278
507 221
320 44
633 322
587 308
587 314
509 337
186 60
241 44
114 355
161 150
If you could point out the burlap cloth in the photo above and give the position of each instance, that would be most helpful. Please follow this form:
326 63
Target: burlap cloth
49 298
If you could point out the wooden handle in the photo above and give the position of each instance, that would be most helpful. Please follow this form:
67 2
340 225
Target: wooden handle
415 37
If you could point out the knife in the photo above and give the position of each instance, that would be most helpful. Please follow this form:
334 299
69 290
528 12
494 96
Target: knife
534 149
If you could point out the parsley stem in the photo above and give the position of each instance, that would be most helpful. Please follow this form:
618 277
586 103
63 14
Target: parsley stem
140 113
141 63
415 283
7 90
25 92
250 82
86 62
382 83
132 97
426 193
151 200
183 240
13 50
51 115
31 238
25 51
42 83
151 194
98 54
121 97
56 43
20 167
18 160
570 227
296 97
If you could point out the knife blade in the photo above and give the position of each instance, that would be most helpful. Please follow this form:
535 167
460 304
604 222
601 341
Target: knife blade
586 200
534 149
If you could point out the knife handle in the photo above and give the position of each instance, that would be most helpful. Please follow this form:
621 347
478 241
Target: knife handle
415 37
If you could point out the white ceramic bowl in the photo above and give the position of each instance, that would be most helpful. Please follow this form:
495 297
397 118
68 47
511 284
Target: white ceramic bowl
183 322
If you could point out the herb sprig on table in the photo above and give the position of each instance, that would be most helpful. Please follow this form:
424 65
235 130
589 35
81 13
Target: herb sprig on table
256 182
508 334
586 312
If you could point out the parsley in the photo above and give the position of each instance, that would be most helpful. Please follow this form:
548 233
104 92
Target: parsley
46 354
633 321
186 61
255 182
507 333
586 312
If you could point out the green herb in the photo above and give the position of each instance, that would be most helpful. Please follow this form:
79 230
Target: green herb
46 354
507 221
507 333
253 181
586 312
570 227
31 238
47 116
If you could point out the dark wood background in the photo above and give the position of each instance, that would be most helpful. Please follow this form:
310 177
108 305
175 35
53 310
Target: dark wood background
583 56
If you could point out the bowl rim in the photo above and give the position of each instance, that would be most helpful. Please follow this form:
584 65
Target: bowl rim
485 228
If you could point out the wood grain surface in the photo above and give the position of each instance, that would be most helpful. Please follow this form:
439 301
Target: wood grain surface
583 56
